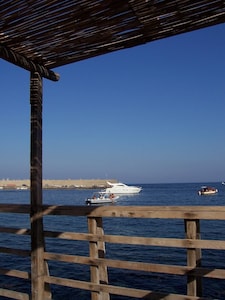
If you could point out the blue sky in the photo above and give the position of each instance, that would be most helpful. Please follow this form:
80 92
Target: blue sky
150 114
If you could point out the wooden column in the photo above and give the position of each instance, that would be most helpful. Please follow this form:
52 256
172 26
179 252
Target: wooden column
194 284
38 267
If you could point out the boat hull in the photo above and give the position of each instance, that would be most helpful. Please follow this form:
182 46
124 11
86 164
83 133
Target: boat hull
121 189
99 201
101 198
207 191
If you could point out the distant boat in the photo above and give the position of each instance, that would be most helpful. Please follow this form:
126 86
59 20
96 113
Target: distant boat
207 190
22 187
223 182
101 198
121 188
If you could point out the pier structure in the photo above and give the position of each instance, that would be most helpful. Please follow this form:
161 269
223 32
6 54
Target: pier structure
41 35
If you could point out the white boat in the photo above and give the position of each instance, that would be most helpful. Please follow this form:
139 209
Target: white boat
207 190
121 188
22 187
101 198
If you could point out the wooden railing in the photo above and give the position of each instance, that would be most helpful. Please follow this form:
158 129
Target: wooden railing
99 286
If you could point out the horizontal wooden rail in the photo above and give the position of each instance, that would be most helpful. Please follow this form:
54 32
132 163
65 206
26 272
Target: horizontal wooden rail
153 212
15 273
14 251
22 231
116 290
138 266
14 295
132 240
119 239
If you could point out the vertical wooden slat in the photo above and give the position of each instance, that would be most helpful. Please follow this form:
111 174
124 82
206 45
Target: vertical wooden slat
194 284
103 274
97 250
38 267
198 259
93 250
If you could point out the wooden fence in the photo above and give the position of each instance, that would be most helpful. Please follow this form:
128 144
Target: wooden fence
97 260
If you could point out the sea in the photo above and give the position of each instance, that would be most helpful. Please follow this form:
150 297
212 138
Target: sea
151 194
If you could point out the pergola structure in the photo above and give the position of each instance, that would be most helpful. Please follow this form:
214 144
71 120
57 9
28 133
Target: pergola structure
41 35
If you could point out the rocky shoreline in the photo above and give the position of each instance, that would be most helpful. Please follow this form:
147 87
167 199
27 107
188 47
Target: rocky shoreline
6 184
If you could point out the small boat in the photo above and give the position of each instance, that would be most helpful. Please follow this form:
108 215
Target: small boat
101 198
22 187
207 190
223 182
121 188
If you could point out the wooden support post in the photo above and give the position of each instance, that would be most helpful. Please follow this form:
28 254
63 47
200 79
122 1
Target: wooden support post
194 284
99 274
38 267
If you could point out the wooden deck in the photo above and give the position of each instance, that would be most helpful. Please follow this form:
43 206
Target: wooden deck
99 286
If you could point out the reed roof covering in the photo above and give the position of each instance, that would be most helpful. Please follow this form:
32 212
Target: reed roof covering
54 33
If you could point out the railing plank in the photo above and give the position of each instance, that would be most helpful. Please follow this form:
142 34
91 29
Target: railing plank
15 273
163 212
14 251
116 290
22 231
138 266
13 294
118 239
148 241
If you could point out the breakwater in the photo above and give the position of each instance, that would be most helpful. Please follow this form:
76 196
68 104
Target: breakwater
57 184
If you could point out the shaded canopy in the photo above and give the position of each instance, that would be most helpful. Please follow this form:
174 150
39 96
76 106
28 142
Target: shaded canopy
53 33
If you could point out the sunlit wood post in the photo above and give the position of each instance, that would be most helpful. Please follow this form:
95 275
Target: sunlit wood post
37 238
194 284
99 273
103 276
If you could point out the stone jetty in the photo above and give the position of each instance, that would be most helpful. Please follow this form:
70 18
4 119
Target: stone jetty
57 184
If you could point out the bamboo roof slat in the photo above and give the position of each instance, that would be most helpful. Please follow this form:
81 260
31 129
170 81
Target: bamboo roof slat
55 33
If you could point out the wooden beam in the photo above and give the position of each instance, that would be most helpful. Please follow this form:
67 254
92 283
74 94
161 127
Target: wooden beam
38 267
23 62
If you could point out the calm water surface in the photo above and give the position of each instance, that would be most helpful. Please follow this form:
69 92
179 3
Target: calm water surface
152 194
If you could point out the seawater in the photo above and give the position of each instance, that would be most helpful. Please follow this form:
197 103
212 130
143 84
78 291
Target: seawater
152 194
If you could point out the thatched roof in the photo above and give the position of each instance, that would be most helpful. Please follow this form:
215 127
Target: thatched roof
55 33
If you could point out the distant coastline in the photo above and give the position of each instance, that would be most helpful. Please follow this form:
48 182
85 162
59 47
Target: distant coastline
6 184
